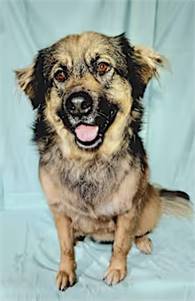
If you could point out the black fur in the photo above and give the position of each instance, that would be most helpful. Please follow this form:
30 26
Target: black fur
142 235
129 70
132 74
136 123
40 78
43 133
132 67
136 149
177 193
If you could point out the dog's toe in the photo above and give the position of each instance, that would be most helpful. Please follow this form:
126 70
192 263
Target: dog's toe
64 280
113 276
144 244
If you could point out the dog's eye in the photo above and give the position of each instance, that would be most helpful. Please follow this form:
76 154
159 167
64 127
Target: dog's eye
102 68
60 76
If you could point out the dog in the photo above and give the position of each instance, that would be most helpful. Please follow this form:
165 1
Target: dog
87 91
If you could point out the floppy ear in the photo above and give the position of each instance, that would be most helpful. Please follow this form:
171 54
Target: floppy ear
148 62
24 78
142 64
33 79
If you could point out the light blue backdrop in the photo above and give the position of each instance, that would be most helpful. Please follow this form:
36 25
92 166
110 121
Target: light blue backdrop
28 243
169 130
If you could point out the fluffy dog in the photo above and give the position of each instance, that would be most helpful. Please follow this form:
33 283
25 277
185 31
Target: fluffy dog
87 90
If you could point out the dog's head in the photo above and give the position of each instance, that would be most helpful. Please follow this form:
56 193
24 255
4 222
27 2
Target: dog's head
87 89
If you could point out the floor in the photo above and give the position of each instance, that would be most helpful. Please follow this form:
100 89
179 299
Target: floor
29 258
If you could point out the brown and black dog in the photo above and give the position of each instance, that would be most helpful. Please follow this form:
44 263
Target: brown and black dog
87 90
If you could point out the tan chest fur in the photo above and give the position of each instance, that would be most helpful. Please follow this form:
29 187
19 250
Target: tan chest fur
91 208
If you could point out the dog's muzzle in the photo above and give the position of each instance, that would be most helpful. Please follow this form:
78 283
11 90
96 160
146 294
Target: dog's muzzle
87 119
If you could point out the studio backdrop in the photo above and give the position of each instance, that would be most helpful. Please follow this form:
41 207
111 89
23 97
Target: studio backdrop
27 26
169 126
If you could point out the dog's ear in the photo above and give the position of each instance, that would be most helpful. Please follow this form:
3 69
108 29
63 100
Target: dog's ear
142 64
148 61
24 78
32 80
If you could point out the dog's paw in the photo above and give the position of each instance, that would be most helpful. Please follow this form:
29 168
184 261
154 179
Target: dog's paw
144 244
114 276
64 280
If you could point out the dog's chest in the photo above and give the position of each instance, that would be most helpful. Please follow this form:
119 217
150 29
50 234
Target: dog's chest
91 196
99 190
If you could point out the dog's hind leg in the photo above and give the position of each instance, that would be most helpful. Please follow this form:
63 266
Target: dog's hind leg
148 219
144 244
151 212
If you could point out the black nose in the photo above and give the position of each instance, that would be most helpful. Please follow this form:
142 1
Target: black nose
79 103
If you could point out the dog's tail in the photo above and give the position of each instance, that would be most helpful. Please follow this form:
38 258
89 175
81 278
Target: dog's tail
175 203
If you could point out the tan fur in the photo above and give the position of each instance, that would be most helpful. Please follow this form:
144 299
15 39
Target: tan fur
151 213
177 207
149 61
24 76
66 275
85 217
144 244
120 93
114 134
65 138
103 193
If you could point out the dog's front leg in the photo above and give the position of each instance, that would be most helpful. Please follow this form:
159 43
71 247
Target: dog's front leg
124 236
66 275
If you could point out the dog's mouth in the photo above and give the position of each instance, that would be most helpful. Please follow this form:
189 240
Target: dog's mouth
88 136
89 131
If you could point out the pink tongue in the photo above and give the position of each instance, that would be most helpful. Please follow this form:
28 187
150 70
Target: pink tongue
86 132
